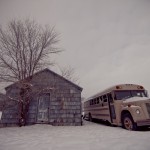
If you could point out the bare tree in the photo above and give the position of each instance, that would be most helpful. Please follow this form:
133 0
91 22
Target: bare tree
25 47
69 73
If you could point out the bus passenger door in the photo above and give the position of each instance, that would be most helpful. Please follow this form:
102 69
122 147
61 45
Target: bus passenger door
111 108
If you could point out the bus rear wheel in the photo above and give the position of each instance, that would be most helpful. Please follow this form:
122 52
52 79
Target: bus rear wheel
128 122
90 117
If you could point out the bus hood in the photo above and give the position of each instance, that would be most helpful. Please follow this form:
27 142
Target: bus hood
135 99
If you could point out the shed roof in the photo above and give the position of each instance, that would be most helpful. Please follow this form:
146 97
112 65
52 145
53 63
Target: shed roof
52 72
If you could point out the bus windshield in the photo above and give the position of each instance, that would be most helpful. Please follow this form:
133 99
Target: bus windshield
120 95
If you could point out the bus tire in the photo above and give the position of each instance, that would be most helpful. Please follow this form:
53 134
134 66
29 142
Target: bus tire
128 123
90 117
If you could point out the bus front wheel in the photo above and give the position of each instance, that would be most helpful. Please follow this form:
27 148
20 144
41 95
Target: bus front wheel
128 122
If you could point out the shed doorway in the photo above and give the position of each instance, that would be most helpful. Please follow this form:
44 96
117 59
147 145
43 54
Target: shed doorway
43 108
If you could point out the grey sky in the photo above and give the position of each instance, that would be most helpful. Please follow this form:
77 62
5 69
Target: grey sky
106 41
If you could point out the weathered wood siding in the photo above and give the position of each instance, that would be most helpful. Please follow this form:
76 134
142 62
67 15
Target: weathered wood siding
63 106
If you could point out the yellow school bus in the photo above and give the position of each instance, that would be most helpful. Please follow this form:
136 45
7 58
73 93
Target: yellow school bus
125 105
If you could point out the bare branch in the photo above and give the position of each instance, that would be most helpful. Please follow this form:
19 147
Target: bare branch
25 47
69 73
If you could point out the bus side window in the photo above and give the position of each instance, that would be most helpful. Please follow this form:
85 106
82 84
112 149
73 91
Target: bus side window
110 98
98 100
101 99
95 101
105 98
90 102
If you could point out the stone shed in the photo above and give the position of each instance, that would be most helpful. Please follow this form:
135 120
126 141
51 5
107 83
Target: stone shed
54 100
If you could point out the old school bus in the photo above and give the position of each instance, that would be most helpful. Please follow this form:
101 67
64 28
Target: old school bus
125 105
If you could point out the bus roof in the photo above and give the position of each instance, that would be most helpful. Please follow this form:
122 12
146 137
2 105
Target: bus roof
118 87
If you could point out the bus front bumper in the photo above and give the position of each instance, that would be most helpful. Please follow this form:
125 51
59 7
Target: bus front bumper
143 122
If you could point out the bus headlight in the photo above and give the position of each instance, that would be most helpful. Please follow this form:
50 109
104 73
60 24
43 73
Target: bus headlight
138 111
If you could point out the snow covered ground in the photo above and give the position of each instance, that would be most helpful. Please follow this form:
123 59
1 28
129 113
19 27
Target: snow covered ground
90 136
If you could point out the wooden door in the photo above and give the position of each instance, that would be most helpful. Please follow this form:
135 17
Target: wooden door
43 108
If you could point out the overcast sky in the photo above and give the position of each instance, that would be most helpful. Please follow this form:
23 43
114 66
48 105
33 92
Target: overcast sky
106 41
